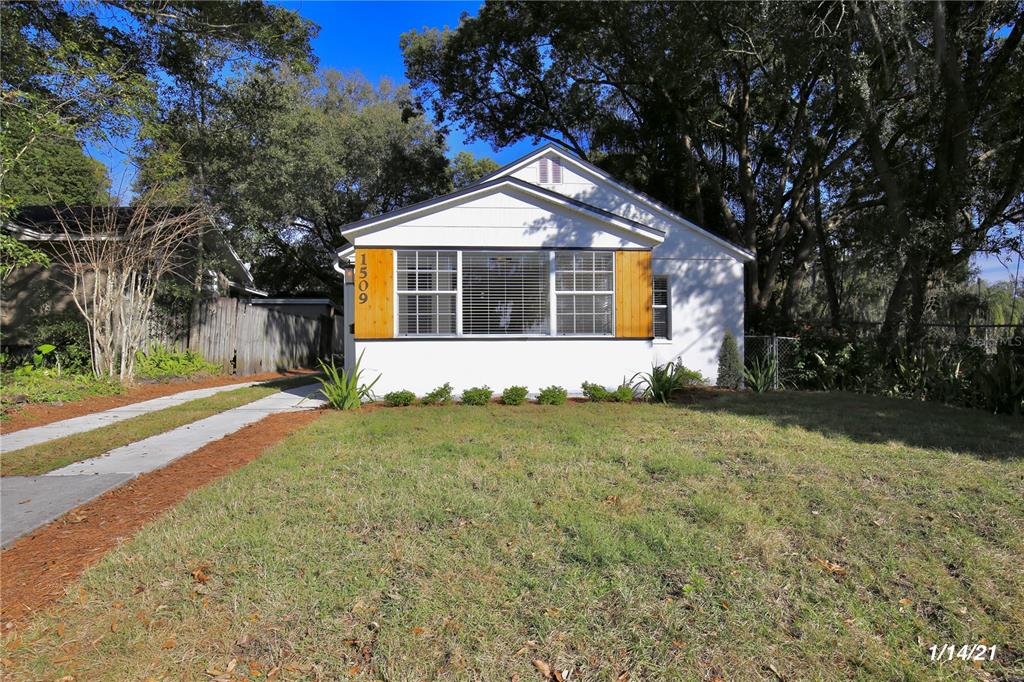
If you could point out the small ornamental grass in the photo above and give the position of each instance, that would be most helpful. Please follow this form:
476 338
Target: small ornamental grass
759 374
400 398
514 395
345 390
442 395
480 395
552 395
664 381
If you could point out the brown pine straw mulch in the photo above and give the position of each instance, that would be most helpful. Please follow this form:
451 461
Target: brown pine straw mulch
39 414
38 568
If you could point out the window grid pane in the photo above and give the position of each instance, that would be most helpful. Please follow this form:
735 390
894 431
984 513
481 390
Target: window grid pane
426 292
584 286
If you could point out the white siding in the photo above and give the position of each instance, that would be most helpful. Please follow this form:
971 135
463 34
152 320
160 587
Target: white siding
422 365
707 300
501 219
596 191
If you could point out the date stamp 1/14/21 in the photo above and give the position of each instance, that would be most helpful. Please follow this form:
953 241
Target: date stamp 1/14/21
965 652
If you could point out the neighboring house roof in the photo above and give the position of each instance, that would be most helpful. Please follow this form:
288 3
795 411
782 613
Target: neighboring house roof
651 203
652 234
46 224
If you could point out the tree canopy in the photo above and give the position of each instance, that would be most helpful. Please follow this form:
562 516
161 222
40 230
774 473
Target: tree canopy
290 158
101 69
814 134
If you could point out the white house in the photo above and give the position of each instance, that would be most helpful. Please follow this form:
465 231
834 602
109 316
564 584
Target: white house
548 271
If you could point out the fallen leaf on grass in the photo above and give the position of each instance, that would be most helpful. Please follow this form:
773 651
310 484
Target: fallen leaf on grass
906 601
200 576
623 676
169 644
830 566
418 630
530 644
543 668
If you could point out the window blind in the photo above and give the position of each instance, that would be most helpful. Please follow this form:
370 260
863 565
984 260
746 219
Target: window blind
584 287
505 293
427 283
661 307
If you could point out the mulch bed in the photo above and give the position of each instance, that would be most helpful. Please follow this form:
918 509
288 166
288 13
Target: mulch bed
39 414
38 568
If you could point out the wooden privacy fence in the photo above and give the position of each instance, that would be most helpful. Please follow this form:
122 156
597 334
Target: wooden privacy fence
253 339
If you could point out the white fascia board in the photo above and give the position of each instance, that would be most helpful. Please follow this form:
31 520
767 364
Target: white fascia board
589 169
637 230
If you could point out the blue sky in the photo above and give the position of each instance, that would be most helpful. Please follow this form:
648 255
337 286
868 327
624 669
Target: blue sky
363 37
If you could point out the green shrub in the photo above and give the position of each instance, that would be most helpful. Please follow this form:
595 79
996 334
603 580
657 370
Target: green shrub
596 392
663 381
514 395
442 395
481 395
552 395
600 394
400 398
70 338
160 362
730 364
345 390
623 394
1000 383
43 386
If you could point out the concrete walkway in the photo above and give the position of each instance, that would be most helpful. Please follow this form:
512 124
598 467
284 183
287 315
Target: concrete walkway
87 422
28 502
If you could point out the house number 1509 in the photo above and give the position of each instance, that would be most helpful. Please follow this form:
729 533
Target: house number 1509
364 282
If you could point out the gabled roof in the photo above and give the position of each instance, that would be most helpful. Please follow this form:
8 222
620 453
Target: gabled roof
654 235
653 204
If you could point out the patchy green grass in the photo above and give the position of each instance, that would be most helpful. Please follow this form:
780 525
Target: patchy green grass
794 536
42 387
38 459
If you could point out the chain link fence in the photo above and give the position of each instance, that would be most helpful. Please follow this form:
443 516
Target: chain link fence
779 351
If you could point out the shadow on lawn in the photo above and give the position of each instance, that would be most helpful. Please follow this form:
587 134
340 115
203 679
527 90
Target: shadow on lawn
873 419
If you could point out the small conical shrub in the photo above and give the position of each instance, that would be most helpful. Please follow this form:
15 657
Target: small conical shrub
730 365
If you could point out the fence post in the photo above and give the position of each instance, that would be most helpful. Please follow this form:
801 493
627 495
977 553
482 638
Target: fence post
775 358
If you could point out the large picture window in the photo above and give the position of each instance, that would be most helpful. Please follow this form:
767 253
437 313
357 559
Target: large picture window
505 293
585 288
427 286
508 293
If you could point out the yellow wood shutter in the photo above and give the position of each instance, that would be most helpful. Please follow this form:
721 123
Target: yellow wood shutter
375 293
633 295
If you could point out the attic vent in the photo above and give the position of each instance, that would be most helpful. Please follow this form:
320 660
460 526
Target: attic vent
550 172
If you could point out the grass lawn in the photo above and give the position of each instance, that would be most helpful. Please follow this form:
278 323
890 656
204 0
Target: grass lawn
789 536
38 459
